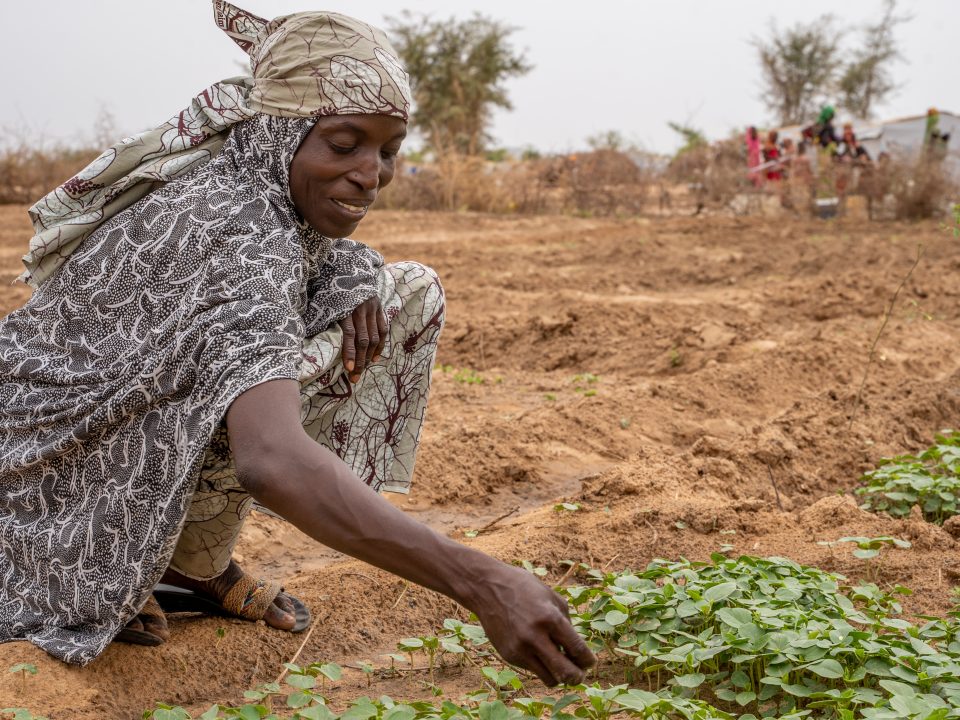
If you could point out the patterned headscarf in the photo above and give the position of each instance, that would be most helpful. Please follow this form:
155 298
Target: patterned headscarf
303 65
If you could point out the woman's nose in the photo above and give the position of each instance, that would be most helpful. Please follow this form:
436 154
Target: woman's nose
366 174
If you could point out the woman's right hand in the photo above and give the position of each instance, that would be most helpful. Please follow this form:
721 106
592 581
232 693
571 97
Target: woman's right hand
529 625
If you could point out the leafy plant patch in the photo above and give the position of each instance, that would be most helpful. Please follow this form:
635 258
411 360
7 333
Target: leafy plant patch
769 637
930 480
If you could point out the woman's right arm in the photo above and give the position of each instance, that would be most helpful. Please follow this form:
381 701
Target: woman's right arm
289 473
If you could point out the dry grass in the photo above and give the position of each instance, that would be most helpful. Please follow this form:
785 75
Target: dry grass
27 174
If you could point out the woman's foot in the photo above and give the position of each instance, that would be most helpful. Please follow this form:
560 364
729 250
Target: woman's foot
151 621
280 614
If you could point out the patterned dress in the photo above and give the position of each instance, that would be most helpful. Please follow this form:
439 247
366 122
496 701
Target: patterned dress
117 374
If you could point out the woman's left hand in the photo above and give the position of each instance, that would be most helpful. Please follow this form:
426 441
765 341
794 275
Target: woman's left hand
364 335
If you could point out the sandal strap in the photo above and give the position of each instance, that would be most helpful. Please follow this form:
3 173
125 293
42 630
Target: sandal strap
151 608
250 598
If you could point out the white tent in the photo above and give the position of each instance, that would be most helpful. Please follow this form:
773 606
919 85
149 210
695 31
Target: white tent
903 137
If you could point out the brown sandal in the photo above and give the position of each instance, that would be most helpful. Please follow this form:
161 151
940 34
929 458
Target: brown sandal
248 598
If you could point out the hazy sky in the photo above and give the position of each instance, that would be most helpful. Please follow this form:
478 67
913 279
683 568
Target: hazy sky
606 64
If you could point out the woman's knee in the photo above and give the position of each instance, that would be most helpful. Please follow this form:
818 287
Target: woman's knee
420 289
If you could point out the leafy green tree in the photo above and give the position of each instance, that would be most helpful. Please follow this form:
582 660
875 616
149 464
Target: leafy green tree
865 81
457 73
799 66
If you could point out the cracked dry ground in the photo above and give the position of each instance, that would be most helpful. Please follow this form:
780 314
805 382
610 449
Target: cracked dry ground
724 355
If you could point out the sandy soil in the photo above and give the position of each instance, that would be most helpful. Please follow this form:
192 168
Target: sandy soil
726 353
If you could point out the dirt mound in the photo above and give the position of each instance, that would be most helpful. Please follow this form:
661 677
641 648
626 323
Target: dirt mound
688 383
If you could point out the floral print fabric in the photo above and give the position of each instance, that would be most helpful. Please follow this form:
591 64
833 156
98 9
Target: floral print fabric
118 371
373 425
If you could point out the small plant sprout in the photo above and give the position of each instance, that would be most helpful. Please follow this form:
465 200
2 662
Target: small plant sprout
410 646
584 384
502 680
869 548
367 668
676 359
624 423
467 376
24 669
537 570
564 508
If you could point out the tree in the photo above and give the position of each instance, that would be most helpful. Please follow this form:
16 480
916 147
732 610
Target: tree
798 66
457 70
692 137
865 81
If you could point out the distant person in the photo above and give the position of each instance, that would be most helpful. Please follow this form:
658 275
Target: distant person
934 141
771 156
801 179
754 155
850 149
823 133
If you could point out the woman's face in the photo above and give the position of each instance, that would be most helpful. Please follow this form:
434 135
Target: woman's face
340 167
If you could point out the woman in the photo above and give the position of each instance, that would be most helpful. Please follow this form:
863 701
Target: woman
199 340
753 155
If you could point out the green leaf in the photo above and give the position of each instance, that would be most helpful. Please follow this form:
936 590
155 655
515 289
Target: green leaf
735 617
302 682
865 553
826 668
616 617
897 688
495 710
719 592
24 668
315 712
331 671
690 680
745 698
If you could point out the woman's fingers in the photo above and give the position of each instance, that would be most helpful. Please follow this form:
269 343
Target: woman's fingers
349 350
361 341
383 329
373 328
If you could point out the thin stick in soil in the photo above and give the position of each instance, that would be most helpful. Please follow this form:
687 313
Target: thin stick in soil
508 513
876 339
776 491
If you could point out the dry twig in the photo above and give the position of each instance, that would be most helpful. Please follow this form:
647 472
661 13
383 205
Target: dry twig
876 339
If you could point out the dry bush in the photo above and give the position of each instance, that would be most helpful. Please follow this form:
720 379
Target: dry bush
920 190
27 172
602 182
715 173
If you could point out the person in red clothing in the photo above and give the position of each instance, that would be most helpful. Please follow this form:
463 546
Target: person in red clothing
771 154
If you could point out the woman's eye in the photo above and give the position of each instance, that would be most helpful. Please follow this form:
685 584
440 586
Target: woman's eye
342 149
389 154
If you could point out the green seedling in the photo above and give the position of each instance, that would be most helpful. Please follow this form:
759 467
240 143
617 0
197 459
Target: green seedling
502 681
367 668
24 669
676 359
624 423
466 376
564 508
550 397
583 384
537 570
869 548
